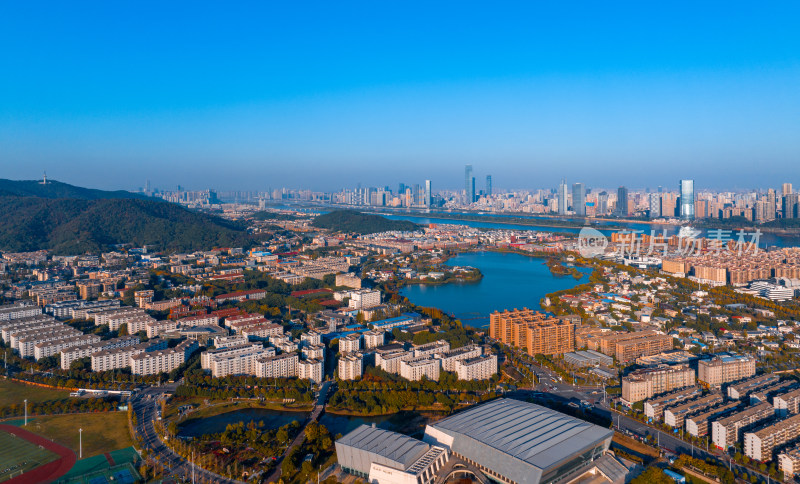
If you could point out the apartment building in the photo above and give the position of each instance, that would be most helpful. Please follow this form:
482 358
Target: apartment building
236 320
477 368
744 388
101 316
414 369
162 361
532 330
20 309
315 352
390 362
199 320
311 369
351 366
157 328
674 416
120 356
724 369
26 341
50 348
279 366
227 341
654 407
22 324
311 338
787 403
68 355
727 431
698 424
759 444
262 331
77 308
234 360
627 347
373 339
766 393
789 462
644 383
350 343
430 349
449 358
364 299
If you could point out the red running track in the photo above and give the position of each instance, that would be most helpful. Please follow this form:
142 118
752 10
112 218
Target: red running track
48 472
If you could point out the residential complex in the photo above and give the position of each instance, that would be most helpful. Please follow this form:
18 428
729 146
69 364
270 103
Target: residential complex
647 382
536 332
724 369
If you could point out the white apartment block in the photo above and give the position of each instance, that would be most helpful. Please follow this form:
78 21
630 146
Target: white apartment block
162 361
157 328
351 366
15 334
414 369
228 341
134 323
311 337
18 310
120 357
390 362
478 368
373 339
27 345
263 331
287 346
50 348
310 370
449 358
242 318
350 343
242 364
280 366
430 349
7 328
68 355
364 299
103 315
316 352
199 320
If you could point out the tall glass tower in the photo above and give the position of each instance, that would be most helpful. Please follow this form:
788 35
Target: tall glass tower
687 199
579 199
469 185
428 194
562 197
488 185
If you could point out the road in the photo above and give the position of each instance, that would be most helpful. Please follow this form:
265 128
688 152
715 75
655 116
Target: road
145 406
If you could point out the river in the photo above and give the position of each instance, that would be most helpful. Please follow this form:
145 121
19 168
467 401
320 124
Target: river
509 281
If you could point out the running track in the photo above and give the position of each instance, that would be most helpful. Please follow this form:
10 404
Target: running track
48 472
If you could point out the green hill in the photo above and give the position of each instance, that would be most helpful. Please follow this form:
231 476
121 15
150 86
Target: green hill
360 223
75 226
57 189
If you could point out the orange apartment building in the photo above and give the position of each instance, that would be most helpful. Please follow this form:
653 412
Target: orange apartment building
536 332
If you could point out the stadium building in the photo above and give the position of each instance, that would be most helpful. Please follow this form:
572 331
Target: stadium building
516 442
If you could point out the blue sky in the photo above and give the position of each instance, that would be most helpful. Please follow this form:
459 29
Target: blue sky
324 95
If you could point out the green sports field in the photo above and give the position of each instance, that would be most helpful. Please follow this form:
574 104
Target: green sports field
18 455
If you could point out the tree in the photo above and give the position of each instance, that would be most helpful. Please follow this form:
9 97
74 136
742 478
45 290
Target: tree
123 329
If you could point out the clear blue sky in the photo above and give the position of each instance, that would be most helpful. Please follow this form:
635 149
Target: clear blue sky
321 95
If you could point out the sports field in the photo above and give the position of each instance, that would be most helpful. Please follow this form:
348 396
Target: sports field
17 455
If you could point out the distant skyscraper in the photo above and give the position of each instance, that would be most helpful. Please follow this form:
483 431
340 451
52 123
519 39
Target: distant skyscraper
787 189
401 189
428 194
488 185
474 196
622 202
579 199
602 203
687 199
469 185
562 197
791 205
655 205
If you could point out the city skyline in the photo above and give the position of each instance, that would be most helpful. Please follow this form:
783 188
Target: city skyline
245 98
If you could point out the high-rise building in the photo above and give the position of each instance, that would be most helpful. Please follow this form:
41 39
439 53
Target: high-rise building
786 189
536 332
428 194
469 185
791 205
622 202
687 199
655 205
562 197
488 185
579 199
602 203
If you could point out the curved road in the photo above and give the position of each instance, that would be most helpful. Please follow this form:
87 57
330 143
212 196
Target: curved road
145 406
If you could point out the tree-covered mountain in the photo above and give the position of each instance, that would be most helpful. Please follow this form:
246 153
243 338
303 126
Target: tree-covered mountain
57 189
75 226
360 223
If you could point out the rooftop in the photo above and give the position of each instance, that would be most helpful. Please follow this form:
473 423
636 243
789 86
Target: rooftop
398 448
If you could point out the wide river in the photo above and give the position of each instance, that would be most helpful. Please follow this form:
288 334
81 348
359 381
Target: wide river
509 281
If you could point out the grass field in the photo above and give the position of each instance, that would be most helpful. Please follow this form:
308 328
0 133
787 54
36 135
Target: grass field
102 432
14 393
18 455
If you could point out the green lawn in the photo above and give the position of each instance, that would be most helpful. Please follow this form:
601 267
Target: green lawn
18 455
102 432
14 393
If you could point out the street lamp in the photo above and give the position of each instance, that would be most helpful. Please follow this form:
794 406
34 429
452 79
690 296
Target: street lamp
26 412
80 443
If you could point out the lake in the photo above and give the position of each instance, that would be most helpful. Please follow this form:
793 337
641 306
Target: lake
336 424
509 281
